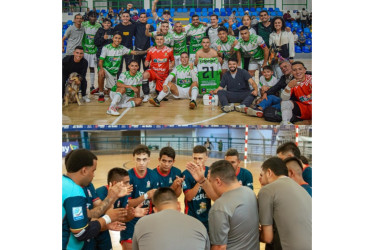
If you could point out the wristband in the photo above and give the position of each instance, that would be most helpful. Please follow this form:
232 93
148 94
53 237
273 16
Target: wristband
145 196
202 181
107 219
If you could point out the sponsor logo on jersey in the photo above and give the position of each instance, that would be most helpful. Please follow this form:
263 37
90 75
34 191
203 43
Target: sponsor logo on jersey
202 208
89 193
156 60
148 184
170 180
77 213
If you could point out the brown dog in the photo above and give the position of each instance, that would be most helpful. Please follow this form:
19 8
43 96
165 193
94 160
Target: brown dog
72 88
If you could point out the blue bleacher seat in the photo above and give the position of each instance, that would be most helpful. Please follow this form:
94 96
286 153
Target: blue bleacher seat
69 22
233 26
308 42
226 25
254 13
142 10
277 9
298 30
273 14
65 27
210 9
219 20
306 30
216 9
280 13
192 13
241 13
105 14
154 26
264 9
217 13
222 10
210 13
180 10
205 9
310 35
240 9
240 24
258 9
185 10
172 10
198 9
97 11
228 9
297 49
150 21
148 14
245 9
198 13
192 10
306 49
172 14
223 14
271 10
205 20
234 9
310 48
149 11
204 13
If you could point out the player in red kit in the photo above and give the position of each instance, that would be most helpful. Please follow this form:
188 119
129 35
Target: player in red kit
297 96
160 58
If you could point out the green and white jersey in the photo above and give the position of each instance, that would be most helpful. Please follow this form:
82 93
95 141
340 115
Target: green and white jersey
252 48
89 35
183 76
112 57
226 47
168 38
127 79
197 35
208 73
179 43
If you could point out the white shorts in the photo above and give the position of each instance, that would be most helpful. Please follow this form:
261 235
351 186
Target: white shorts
183 93
225 64
192 58
255 64
110 80
124 97
177 60
91 59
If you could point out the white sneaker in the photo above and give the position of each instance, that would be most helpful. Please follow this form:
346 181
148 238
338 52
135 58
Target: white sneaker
286 123
145 98
240 108
86 99
112 111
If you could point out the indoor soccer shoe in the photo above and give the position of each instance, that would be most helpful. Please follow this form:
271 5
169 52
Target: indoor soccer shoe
86 99
240 108
193 104
145 98
254 112
155 102
94 91
227 108
101 98
112 111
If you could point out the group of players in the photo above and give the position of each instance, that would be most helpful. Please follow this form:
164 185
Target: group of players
187 72
130 195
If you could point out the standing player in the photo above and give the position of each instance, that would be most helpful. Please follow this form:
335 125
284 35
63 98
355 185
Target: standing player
208 67
212 31
110 61
126 94
246 22
169 176
168 36
165 16
160 58
244 176
197 202
263 28
179 43
225 47
145 183
297 96
253 47
197 32
88 43
184 86
74 34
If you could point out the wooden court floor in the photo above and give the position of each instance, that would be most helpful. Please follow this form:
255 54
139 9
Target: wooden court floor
106 162
174 112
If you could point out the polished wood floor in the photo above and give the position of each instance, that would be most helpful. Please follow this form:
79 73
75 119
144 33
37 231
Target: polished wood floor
106 162
171 112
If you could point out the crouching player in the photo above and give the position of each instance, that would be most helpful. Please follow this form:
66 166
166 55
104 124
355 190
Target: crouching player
126 94
185 85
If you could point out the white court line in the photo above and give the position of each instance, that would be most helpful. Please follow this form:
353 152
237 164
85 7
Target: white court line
119 117
215 117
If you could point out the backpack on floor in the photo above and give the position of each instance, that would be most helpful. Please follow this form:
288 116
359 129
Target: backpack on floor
272 114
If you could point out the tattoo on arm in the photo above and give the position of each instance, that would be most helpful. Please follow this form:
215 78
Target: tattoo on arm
98 211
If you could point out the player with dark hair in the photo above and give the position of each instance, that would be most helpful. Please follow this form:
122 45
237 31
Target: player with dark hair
145 183
196 187
233 218
74 34
196 31
76 224
295 172
168 175
307 170
244 176
288 149
225 48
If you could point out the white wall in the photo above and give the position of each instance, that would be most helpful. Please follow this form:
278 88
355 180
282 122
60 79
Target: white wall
291 7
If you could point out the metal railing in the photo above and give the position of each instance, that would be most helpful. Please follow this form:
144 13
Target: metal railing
284 3
74 6
247 4
117 4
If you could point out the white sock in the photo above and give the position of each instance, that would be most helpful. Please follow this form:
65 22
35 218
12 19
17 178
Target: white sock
194 93
162 94
286 108
92 78
116 99
101 93
129 104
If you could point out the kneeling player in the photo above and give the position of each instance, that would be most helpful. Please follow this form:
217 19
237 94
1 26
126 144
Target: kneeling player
123 94
185 85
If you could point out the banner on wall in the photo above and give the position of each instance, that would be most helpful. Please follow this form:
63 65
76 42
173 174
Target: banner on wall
69 146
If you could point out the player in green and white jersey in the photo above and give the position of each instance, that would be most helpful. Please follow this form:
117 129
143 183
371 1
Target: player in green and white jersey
126 93
197 32
253 46
110 61
168 36
208 67
184 86
90 28
179 42
225 47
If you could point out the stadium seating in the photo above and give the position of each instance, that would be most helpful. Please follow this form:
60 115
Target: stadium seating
297 49
308 42
276 9
306 30
271 10
258 9
180 10
150 21
306 49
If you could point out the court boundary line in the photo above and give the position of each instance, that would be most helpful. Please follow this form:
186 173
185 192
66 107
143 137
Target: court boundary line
206 120
119 117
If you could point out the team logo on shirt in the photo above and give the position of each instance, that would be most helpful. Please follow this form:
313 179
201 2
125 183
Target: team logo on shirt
170 180
77 213
148 184
202 208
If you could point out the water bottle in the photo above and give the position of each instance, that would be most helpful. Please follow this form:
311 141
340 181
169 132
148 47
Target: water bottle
213 102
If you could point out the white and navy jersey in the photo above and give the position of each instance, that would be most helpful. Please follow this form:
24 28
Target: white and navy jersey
200 205
166 180
244 177
263 82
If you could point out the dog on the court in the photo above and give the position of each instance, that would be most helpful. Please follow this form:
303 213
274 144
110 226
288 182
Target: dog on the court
72 87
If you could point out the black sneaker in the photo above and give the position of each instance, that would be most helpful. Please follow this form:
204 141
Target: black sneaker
193 104
154 101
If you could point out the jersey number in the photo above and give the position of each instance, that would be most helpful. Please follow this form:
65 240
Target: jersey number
206 69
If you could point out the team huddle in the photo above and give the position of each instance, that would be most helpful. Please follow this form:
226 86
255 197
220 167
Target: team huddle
199 58
142 203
